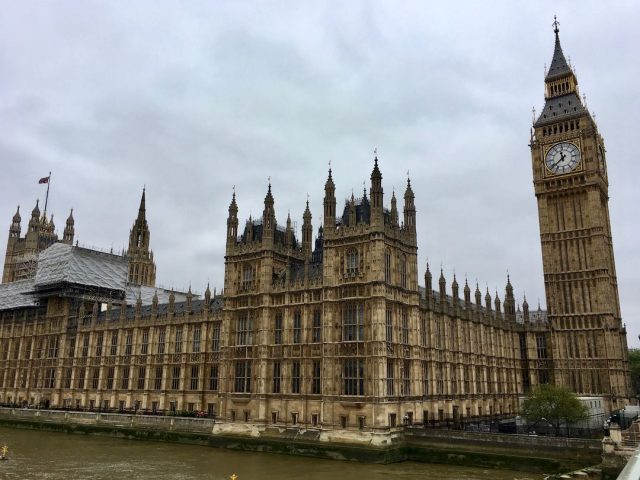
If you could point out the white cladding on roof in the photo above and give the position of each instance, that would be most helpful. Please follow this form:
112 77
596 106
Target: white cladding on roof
65 263
17 294
146 294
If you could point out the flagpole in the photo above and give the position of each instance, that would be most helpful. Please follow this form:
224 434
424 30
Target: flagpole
47 198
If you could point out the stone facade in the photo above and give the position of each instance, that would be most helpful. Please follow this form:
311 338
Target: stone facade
335 333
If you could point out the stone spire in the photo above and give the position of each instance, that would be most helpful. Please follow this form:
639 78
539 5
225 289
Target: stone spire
467 293
268 216
478 295
232 221
394 210
69 230
14 229
142 269
409 208
307 232
376 194
329 204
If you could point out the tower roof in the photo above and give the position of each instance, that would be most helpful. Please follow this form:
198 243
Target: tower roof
559 66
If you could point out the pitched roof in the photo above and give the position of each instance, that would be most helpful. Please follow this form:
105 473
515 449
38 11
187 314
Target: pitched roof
559 66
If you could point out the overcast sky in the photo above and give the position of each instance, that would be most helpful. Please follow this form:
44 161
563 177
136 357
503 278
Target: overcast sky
192 98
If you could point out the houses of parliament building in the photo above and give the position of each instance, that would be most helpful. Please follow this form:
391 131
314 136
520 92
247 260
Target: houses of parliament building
334 330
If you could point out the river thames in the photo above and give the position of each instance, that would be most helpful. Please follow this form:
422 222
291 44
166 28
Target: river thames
49 455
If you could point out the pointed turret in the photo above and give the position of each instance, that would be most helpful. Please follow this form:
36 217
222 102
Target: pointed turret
478 295
268 217
329 204
232 222
14 229
142 269
497 304
428 285
207 295
455 289
525 309
394 210
509 301
409 209
443 287
307 232
487 300
467 293
376 194
69 229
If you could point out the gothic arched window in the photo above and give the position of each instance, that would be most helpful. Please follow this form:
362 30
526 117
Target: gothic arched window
403 271
353 261
387 266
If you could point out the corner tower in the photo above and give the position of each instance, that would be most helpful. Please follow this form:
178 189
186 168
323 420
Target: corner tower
142 269
570 180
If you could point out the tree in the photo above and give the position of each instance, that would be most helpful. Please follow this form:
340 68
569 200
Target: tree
634 367
554 404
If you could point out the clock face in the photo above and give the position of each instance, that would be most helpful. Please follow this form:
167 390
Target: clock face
562 158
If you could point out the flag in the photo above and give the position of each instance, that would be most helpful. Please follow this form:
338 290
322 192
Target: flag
44 180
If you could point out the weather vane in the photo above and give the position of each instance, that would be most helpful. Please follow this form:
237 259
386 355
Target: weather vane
555 24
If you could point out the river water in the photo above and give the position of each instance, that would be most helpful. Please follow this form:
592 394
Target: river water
50 455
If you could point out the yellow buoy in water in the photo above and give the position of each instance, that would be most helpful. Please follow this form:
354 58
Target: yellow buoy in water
233 477
4 450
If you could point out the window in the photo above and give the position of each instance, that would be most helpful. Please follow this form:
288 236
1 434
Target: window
157 381
95 378
144 349
277 331
49 378
125 378
81 373
53 347
425 378
295 377
243 376
317 326
274 417
387 266
85 345
406 375
390 379
195 380
196 339
247 276
142 373
71 349
353 322
215 337
405 328
175 378
315 419
110 374
352 262
423 332
316 382
541 346
244 329
403 271
353 375
276 376
128 343
67 377
297 326
213 377
161 337
114 343
389 325
178 344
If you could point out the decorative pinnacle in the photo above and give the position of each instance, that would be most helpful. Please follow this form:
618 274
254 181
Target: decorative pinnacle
555 25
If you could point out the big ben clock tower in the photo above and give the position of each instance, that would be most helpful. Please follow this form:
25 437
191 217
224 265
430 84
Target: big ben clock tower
570 178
